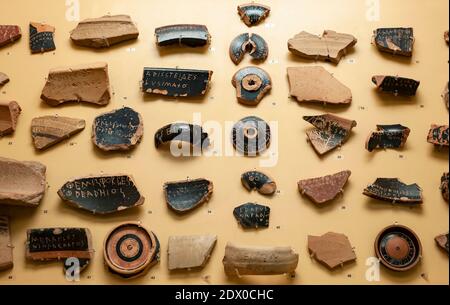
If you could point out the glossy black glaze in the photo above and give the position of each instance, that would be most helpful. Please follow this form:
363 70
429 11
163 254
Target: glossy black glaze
190 35
398 85
393 190
254 44
251 97
259 181
184 196
101 195
253 13
57 239
176 82
41 41
252 216
388 136
251 146
439 135
116 128
403 38
182 132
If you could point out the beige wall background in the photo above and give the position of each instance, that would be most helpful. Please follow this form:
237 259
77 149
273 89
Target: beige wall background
292 217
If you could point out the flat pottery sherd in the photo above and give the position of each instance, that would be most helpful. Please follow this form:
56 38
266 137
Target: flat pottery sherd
120 129
252 215
388 136
41 37
189 35
324 189
21 183
184 196
331 249
182 132
444 186
9 34
396 85
255 180
102 194
395 191
9 115
47 131
190 252
397 41
438 135
442 241
253 13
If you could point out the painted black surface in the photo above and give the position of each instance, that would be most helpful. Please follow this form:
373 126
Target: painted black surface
252 215
41 41
393 190
440 135
255 180
190 35
250 97
331 132
401 37
251 146
57 239
101 195
182 132
116 128
176 82
185 196
251 43
388 136
398 85
255 13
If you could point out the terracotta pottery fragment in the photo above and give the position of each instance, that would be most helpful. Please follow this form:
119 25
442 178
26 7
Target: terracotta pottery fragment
331 46
84 83
395 191
21 183
130 250
398 248
190 252
252 215
317 85
442 241
56 244
184 196
445 95
253 44
330 131
438 135
388 136
9 34
9 115
253 13
444 186
41 37
446 36
120 129
324 189
242 260
189 35
4 79
254 180
104 32
50 130
102 194
396 85
176 82
397 41
251 136
252 84
182 132
6 248
331 249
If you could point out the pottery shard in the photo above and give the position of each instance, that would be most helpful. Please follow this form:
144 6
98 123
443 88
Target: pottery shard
50 130
9 114
4 79
324 189
438 135
445 95
41 37
9 34
396 85
253 13
331 46
330 131
240 260
187 252
442 241
331 249
446 36
388 136
85 83
104 194
393 190
315 84
397 41
120 129
444 186
21 183
6 254
256 180
104 32
184 196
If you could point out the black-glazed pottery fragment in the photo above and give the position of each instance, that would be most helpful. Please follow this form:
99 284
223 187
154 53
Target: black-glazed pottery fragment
253 44
395 191
253 13
252 215
252 84
388 136
189 35
183 132
41 38
397 41
396 85
251 136
438 135
184 196
261 182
